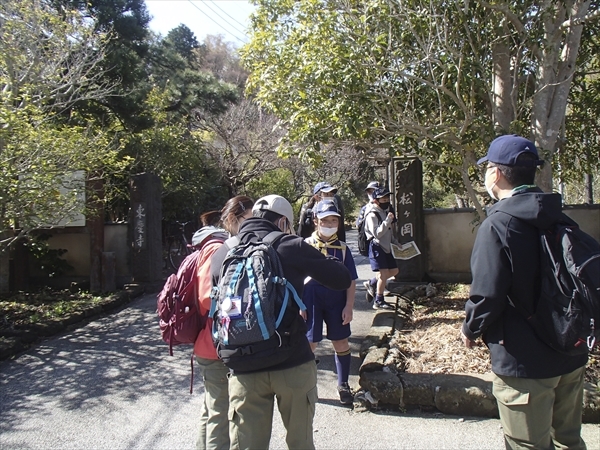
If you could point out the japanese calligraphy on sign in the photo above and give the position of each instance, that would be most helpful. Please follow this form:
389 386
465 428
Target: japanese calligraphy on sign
139 226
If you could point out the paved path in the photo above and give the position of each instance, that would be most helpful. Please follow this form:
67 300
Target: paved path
112 385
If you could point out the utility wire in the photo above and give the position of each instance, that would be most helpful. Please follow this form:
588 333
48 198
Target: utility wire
217 23
225 20
225 12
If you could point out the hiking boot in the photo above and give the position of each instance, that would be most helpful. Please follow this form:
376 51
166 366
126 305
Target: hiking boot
370 294
382 305
346 397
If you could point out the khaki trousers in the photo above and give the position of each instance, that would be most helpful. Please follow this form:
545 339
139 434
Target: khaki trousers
251 402
541 413
214 424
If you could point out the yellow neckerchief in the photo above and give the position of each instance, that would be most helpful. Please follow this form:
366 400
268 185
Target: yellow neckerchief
321 245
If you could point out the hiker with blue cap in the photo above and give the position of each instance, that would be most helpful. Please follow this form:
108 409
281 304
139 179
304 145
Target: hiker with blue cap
321 191
324 305
539 391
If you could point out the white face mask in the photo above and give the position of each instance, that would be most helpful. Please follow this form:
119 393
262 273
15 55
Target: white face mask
489 189
285 227
327 232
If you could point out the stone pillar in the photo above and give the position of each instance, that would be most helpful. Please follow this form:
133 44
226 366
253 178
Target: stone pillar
145 236
406 184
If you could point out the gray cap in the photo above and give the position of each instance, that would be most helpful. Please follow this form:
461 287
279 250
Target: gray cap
204 233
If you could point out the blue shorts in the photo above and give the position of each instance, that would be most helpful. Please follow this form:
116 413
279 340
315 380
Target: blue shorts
380 259
324 305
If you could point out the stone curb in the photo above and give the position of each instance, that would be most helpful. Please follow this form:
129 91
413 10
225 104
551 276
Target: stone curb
14 342
455 394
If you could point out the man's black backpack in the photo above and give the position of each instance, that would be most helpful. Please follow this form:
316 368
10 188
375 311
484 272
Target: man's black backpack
252 306
363 240
567 315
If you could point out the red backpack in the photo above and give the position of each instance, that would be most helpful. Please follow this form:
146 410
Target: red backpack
177 305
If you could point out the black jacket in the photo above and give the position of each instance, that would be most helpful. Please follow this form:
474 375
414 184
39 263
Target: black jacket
298 260
505 269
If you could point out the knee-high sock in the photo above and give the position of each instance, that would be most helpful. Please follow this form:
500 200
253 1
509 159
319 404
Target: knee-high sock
342 364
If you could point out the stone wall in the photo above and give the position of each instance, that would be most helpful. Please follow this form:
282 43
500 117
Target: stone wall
450 235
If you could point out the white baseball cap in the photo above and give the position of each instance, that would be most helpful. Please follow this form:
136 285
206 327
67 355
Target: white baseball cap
277 204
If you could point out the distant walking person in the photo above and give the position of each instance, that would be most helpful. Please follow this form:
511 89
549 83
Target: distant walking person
321 191
378 227
365 208
539 391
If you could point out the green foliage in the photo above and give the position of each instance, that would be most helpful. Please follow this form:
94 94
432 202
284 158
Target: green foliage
382 73
26 308
435 196
276 181
171 151
125 24
35 187
44 70
48 260
579 153
183 41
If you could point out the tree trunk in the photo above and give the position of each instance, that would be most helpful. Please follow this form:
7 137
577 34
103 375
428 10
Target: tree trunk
502 87
554 76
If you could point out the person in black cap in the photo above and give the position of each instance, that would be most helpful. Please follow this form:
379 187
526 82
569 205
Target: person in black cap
378 227
539 391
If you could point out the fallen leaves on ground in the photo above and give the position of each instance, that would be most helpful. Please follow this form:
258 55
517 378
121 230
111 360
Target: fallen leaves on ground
430 340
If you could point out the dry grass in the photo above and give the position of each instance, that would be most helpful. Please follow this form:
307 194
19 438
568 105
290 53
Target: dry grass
430 341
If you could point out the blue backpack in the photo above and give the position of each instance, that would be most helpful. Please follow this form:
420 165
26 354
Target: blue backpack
252 306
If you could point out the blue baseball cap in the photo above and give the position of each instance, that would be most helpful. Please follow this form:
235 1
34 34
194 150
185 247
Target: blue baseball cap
318 187
380 192
506 149
323 186
372 185
326 208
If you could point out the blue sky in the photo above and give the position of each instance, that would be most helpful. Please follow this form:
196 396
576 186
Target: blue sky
226 17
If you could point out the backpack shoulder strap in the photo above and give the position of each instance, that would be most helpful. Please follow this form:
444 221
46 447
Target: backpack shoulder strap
232 242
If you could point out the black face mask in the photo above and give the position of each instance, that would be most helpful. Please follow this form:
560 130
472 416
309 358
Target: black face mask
384 206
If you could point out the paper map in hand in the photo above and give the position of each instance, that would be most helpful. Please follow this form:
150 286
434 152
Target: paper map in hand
405 251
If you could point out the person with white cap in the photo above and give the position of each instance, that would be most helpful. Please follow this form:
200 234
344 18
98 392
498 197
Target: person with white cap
539 391
334 308
294 381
